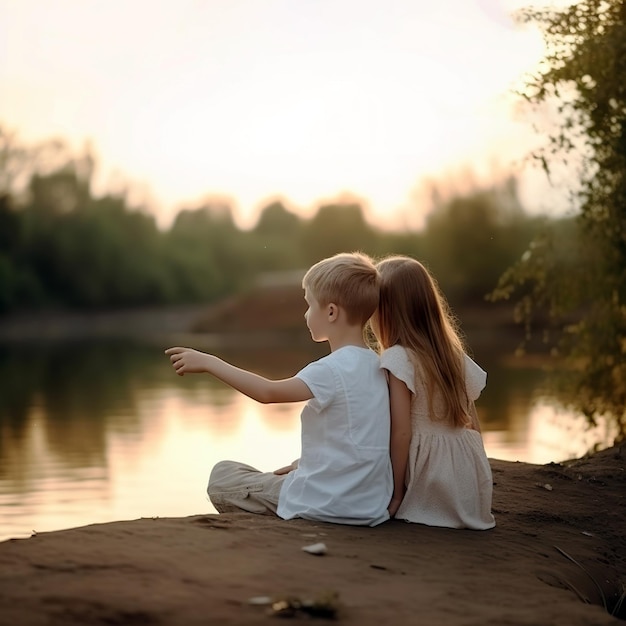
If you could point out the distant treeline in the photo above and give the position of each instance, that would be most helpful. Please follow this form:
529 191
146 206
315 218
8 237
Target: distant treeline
63 247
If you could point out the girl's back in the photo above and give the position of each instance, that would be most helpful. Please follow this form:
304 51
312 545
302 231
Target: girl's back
448 478
441 473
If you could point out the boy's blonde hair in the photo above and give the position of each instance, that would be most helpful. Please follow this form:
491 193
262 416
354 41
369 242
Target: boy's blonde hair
349 280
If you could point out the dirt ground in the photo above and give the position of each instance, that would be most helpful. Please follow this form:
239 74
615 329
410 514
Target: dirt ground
557 556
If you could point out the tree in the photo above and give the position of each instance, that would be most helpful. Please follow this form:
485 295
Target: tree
337 228
470 239
276 239
13 160
584 74
208 252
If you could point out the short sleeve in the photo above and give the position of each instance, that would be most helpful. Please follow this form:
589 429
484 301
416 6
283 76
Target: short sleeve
320 378
475 378
396 361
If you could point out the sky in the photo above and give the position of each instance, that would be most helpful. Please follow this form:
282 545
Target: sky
304 100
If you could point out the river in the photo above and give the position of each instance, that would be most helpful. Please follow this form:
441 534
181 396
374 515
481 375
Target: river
96 430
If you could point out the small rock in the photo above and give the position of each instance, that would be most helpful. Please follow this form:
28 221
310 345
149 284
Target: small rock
316 548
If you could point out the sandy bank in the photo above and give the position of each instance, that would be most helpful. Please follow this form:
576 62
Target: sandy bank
557 554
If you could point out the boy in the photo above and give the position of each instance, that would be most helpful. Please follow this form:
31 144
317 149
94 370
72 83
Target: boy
344 473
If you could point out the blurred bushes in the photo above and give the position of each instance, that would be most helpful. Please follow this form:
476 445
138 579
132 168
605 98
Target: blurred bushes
62 247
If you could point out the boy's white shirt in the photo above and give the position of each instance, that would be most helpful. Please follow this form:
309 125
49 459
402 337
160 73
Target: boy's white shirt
344 473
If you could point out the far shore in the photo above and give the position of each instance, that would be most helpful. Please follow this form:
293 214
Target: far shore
258 318
67 325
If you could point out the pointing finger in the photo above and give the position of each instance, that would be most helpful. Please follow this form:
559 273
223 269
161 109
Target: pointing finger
176 350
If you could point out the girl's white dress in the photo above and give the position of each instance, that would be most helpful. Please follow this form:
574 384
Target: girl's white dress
449 481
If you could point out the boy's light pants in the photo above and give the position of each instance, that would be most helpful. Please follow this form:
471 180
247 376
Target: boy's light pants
236 486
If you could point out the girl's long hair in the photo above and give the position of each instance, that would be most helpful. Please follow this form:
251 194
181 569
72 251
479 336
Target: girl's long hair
413 313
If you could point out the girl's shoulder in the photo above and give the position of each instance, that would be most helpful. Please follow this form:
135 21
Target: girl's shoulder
395 354
475 378
397 360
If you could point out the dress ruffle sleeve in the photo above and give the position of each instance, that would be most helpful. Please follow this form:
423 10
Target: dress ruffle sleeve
475 378
396 361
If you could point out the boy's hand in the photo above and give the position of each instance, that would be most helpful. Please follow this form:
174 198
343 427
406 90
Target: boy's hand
285 470
187 361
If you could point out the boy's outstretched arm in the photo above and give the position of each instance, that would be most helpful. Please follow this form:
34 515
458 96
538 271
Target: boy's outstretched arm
259 388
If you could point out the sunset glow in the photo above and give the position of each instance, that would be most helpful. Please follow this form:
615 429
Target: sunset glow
250 99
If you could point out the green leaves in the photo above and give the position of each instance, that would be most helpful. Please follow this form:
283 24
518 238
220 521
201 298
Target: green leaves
583 291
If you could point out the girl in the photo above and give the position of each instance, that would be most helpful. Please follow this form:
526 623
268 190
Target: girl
441 473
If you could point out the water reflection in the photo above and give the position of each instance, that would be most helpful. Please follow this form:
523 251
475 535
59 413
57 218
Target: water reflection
100 431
